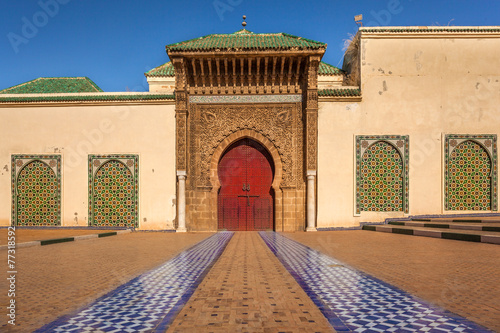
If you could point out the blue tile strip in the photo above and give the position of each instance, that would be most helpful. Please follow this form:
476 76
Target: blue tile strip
150 302
353 301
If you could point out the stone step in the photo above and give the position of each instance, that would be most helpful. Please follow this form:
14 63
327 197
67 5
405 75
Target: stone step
459 220
462 235
491 227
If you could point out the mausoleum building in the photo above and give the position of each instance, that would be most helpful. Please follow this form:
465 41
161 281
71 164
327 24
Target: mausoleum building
253 131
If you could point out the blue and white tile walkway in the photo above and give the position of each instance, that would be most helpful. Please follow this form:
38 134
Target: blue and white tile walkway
149 302
354 301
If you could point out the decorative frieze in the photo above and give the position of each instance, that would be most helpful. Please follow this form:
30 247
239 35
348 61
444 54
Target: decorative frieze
237 99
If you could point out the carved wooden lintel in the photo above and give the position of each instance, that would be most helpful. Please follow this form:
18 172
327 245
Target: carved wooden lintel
251 74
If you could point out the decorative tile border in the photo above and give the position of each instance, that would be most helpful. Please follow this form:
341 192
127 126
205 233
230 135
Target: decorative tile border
18 162
223 99
131 163
150 302
489 143
402 145
357 302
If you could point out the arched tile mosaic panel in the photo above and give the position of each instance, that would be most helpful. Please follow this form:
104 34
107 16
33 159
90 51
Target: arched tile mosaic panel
382 173
471 172
113 190
36 190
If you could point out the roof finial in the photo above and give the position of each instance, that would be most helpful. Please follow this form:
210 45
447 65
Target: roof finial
244 24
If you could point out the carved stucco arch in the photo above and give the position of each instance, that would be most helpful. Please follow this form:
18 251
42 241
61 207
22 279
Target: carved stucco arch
243 134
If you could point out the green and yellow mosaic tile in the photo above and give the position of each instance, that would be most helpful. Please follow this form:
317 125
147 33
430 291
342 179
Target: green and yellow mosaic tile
382 173
113 190
471 172
36 190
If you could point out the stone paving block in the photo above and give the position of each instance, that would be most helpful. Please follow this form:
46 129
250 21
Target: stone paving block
248 290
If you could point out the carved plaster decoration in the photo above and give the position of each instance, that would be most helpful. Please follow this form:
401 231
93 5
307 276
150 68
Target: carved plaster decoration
312 73
280 123
180 74
312 99
312 128
181 141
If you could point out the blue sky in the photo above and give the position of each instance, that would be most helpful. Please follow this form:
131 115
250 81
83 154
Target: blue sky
115 42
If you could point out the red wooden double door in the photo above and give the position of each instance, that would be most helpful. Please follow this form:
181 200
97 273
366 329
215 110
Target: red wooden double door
245 199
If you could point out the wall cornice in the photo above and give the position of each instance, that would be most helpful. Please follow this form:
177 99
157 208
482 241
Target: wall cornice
430 32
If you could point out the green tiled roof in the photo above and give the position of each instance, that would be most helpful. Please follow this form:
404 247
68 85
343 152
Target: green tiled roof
327 69
339 93
167 69
47 85
84 98
246 40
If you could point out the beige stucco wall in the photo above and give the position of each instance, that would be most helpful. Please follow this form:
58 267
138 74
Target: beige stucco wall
76 131
422 87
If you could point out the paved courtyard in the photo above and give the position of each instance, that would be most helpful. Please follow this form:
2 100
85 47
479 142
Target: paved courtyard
247 288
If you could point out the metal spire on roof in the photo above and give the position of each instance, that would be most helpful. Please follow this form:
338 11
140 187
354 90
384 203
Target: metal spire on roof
244 24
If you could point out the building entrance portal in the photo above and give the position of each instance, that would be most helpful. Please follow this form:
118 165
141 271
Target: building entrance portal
245 200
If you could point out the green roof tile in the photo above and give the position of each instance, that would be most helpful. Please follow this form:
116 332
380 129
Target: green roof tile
327 69
339 92
245 40
167 69
46 85
84 98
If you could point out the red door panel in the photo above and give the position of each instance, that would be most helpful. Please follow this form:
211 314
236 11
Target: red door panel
230 214
262 213
245 197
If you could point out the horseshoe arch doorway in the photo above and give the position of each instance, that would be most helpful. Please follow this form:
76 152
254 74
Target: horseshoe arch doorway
246 198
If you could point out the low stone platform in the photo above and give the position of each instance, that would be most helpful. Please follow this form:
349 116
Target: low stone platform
482 229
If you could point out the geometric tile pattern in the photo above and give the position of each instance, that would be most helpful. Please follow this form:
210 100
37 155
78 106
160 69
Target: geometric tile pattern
470 173
113 190
150 302
381 187
246 99
36 190
354 301
382 182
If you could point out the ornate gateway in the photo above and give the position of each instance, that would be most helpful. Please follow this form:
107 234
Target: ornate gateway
242 86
